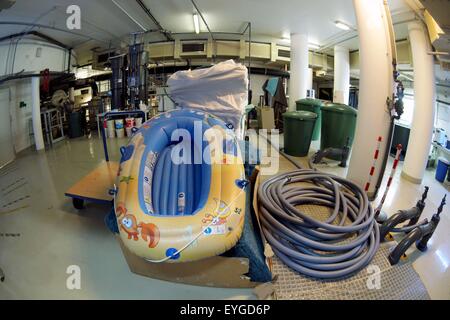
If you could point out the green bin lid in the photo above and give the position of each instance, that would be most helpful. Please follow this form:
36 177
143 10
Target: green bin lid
310 102
301 115
339 108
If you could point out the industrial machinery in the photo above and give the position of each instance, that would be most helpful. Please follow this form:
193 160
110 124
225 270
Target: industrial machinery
137 75
129 85
118 81
420 235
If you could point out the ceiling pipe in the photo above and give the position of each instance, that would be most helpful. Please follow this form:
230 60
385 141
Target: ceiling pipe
353 36
438 53
254 70
128 15
43 26
37 34
156 22
25 31
203 19
247 26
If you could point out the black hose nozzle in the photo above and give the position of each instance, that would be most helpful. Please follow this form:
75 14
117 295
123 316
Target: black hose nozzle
441 207
425 194
420 206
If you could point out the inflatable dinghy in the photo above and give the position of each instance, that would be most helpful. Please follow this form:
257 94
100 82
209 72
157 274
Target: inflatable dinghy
180 189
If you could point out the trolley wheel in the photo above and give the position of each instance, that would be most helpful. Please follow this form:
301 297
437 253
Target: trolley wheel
78 203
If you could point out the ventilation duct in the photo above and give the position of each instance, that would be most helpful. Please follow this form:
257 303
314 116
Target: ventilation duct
193 48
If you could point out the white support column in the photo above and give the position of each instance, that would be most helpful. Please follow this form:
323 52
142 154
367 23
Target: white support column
36 114
424 104
298 82
341 75
375 86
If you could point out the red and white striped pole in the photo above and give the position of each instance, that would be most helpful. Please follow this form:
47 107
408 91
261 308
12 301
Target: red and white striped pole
389 182
372 169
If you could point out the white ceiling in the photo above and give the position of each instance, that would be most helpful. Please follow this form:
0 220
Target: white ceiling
104 24
269 18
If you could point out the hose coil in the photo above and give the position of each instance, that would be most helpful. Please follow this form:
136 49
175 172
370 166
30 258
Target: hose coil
338 247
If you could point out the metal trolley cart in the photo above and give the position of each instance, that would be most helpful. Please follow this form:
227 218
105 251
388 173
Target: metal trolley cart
96 185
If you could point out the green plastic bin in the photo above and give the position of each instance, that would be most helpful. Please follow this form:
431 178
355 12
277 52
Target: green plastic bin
338 124
312 105
298 131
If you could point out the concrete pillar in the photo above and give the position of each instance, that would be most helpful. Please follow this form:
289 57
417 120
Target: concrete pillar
375 86
36 114
424 104
298 82
341 75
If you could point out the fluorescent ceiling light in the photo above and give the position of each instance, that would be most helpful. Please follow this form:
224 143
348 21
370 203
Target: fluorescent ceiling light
342 25
313 46
196 23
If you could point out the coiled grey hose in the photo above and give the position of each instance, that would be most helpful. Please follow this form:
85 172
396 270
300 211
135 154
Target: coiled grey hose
330 249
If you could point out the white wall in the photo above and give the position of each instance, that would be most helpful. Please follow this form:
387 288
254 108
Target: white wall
443 117
21 129
31 59
7 153
20 91
32 56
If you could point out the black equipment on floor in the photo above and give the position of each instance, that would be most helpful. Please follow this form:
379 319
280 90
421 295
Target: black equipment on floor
343 154
412 215
420 236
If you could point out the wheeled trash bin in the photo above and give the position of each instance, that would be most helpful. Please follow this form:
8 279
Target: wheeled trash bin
298 131
312 105
338 126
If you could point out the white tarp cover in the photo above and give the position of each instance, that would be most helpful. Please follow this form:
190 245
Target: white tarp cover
220 90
